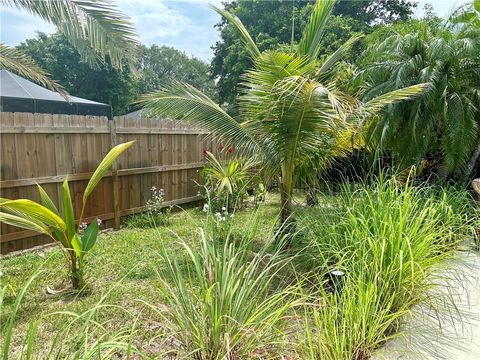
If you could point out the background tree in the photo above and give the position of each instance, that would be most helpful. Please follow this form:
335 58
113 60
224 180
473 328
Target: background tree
95 28
160 64
102 82
270 24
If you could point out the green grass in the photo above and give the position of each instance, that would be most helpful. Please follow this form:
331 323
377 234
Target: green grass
146 285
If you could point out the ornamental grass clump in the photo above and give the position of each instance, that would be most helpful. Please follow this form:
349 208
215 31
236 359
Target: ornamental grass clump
224 303
387 239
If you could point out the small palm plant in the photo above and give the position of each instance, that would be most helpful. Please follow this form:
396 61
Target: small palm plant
289 109
60 226
228 179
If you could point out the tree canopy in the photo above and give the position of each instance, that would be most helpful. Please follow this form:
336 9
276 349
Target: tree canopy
155 66
102 82
270 24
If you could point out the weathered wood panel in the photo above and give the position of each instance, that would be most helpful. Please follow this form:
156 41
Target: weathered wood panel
46 149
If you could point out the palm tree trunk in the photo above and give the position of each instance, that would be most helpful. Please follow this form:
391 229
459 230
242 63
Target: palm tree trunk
287 220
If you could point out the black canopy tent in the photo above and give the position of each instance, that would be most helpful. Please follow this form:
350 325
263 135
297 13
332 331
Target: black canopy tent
20 95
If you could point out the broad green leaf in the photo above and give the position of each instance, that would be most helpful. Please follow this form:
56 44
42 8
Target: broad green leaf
34 211
67 209
23 223
104 166
77 245
46 201
89 237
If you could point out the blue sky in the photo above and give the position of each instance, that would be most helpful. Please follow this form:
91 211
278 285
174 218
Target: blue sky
184 24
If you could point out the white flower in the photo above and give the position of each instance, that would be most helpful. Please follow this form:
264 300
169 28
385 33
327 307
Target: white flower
205 207
224 208
218 216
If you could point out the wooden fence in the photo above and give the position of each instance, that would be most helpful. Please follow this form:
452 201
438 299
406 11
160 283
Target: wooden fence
44 149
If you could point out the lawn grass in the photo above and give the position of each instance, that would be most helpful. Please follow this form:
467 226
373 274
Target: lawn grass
130 257
123 308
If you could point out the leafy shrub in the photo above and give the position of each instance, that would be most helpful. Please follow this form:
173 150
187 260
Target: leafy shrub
60 226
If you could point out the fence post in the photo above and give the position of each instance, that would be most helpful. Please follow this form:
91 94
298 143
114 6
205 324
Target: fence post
116 197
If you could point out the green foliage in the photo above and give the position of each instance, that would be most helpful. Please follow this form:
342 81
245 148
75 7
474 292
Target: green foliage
443 123
60 226
387 239
73 338
227 180
270 25
156 214
289 109
158 65
101 83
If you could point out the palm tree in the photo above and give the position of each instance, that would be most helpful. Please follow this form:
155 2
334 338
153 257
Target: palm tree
288 109
444 121
95 28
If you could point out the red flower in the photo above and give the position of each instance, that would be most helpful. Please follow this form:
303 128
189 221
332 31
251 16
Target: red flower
230 149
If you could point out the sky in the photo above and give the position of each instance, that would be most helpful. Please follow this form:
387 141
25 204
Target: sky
187 25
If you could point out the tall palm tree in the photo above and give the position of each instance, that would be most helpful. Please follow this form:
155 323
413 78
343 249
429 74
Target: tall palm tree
288 108
94 27
443 122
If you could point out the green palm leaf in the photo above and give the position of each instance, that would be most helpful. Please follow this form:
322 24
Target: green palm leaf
67 209
182 101
103 167
24 223
17 62
46 201
95 28
34 211
312 35
250 45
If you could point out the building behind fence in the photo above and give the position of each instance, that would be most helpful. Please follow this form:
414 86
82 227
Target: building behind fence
44 149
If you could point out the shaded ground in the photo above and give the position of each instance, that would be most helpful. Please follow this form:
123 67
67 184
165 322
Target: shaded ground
453 333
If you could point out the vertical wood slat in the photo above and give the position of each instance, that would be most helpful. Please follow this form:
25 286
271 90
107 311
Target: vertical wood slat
115 187
43 145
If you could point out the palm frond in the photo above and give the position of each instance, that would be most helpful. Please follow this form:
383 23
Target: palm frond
373 106
95 28
183 102
17 62
331 60
250 45
312 36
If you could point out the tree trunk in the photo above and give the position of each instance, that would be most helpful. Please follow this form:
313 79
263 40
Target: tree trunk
287 221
